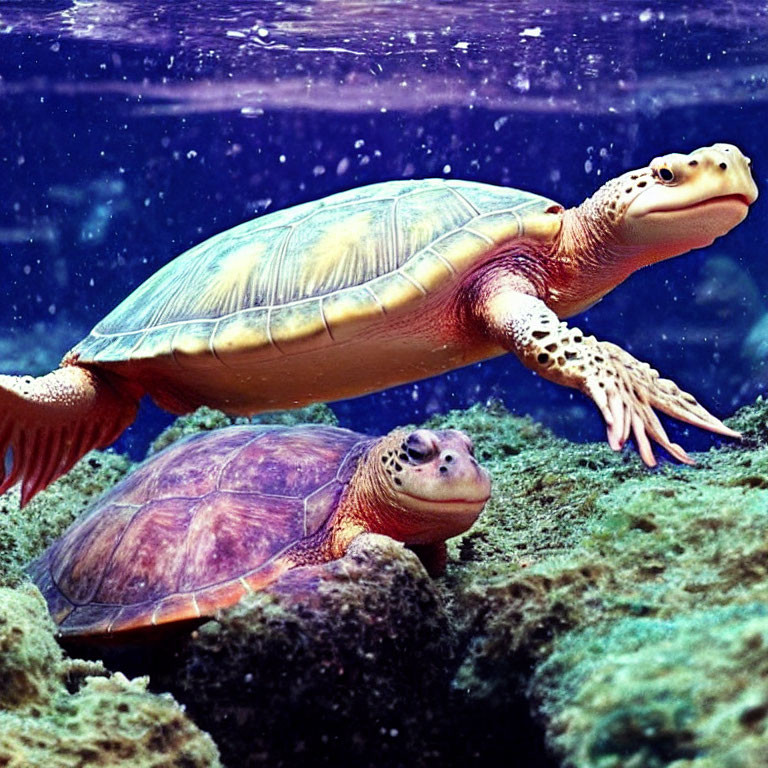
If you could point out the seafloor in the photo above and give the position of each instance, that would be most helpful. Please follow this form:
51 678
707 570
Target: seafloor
599 615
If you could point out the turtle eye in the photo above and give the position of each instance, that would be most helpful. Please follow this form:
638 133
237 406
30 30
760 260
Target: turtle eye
415 454
420 446
665 174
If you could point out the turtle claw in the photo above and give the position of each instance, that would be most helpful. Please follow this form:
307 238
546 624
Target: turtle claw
627 392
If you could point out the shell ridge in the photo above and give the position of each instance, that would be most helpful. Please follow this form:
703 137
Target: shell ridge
107 563
413 281
513 210
308 496
174 348
482 236
235 453
443 261
472 208
520 225
378 301
274 275
394 233
211 345
187 547
351 452
270 339
325 319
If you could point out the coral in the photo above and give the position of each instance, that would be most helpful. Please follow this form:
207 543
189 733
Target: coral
334 665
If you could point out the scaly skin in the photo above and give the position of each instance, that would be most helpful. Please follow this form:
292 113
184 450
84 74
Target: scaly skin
419 488
678 203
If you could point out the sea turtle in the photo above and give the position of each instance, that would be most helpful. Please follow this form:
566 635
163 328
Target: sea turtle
378 286
223 513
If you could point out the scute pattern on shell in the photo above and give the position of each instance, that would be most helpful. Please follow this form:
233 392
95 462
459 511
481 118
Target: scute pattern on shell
204 513
307 251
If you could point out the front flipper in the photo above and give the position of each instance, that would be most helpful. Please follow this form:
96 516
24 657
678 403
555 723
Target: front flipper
624 389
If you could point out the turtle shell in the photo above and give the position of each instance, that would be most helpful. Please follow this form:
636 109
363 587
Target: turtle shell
196 527
304 276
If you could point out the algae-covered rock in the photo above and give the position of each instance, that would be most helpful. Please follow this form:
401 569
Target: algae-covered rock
581 543
647 693
752 422
111 722
341 664
626 608
30 657
53 716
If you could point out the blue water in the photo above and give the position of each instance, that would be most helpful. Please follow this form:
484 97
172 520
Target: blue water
130 131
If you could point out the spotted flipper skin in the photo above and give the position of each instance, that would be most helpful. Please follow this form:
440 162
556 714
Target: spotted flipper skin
625 390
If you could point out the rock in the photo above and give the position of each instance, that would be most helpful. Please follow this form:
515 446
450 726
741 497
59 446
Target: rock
31 666
342 664
650 693
614 613
96 720
579 552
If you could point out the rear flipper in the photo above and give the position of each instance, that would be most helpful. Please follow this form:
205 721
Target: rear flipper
49 422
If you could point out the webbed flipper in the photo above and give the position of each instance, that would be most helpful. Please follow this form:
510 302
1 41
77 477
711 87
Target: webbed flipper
625 390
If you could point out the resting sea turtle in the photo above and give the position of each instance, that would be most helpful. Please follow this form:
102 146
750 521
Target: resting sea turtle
224 513
378 286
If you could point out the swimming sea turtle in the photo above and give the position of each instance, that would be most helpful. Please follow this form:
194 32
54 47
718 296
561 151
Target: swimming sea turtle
224 513
378 286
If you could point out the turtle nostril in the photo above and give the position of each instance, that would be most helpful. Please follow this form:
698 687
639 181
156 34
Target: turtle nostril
448 458
443 469
723 166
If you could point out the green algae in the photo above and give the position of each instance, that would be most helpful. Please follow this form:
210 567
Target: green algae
66 713
690 691
581 543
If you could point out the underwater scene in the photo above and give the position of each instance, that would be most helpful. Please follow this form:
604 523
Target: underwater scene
445 441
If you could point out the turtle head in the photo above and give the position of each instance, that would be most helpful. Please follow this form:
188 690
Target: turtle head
677 203
433 483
